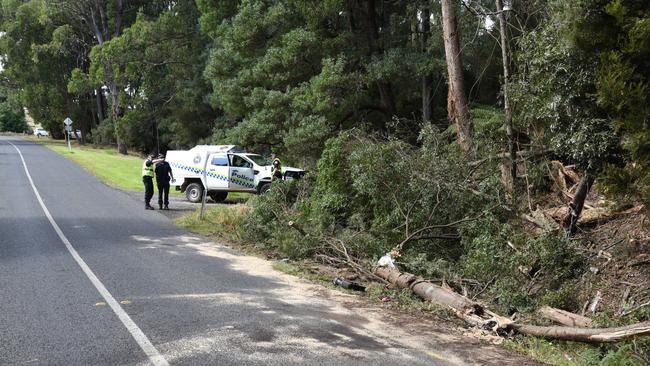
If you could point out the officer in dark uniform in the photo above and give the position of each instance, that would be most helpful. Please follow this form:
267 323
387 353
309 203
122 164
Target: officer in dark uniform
276 170
163 176
147 179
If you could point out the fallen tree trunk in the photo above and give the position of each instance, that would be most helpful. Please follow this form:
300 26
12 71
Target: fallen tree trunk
429 291
475 314
564 317
585 334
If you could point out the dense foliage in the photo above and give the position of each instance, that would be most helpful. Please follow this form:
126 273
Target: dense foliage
12 120
445 217
583 85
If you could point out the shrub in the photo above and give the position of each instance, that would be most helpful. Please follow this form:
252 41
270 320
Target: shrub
446 216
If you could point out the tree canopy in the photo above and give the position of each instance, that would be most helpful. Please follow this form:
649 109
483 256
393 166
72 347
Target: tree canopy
288 75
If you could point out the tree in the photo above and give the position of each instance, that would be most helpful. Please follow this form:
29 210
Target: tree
105 19
506 98
427 79
11 120
585 81
457 104
617 34
158 62
39 52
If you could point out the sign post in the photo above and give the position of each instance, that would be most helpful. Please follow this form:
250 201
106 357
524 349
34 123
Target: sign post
205 184
68 127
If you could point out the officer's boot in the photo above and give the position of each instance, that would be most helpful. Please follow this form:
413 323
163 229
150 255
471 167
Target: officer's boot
160 206
166 207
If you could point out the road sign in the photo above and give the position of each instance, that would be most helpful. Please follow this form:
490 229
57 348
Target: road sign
68 127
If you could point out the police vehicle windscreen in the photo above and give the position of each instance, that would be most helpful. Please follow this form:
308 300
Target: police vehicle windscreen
259 159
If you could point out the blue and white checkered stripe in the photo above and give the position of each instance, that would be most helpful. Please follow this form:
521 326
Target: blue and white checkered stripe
248 183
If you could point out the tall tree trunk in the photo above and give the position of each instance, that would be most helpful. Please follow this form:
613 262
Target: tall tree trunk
385 90
101 105
427 80
115 115
578 202
457 107
506 100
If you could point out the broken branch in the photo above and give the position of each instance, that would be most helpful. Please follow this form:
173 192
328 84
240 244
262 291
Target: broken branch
475 314
564 317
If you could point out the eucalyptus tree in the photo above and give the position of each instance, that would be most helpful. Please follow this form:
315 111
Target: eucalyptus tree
457 104
105 20
39 51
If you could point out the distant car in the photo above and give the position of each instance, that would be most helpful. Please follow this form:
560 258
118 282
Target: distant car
38 132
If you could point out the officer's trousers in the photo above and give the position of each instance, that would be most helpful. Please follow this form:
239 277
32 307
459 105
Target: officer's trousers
148 189
163 190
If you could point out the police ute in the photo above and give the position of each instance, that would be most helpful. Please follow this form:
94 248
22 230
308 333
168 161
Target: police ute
222 169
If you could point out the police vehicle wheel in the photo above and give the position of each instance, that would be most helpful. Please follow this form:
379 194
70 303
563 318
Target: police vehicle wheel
194 192
265 187
218 196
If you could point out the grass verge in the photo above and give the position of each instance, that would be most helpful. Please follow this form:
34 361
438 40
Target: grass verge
121 171
222 221
562 353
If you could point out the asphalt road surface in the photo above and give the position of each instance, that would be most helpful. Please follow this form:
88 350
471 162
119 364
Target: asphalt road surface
88 277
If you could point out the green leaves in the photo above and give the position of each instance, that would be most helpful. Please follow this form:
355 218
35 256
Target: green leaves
11 120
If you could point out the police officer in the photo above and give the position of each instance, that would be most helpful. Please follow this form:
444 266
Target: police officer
147 179
163 176
276 170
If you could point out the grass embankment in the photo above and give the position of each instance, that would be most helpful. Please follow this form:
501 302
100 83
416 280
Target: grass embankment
116 170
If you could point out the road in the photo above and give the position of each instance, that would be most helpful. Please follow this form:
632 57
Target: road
87 276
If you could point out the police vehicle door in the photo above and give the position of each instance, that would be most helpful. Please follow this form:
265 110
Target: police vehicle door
218 171
241 173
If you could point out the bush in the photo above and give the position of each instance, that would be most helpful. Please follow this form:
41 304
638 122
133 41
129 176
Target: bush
104 133
369 196
268 223
10 120
497 252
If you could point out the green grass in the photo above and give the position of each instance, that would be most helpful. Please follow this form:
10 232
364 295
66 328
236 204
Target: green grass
121 171
223 221
563 353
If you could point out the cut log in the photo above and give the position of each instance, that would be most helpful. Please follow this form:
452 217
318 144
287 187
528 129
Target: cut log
429 291
589 216
585 334
564 317
594 303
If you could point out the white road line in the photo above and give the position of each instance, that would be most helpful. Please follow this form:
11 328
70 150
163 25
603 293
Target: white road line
154 355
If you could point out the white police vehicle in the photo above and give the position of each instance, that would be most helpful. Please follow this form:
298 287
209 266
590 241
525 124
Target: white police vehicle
227 169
